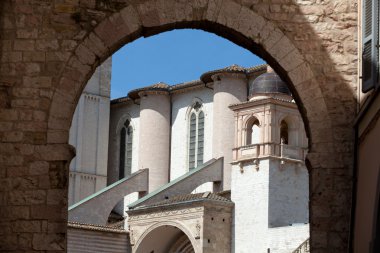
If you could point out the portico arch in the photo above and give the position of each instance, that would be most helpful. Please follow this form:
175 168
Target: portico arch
167 228
241 25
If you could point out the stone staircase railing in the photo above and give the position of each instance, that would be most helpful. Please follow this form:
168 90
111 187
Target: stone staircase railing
304 247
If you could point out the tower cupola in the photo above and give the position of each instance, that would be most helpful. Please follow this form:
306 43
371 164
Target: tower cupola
267 83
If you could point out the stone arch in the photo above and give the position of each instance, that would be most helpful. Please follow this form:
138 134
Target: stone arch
190 107
292 127
227 18
175 224
249 123
121 121
316 96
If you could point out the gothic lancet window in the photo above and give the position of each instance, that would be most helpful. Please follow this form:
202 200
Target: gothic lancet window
126 139
196 136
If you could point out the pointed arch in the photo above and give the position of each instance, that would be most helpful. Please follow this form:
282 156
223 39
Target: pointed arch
196 134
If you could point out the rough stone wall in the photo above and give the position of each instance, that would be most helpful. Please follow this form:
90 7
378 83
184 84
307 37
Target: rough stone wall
216 236
49 49
83 240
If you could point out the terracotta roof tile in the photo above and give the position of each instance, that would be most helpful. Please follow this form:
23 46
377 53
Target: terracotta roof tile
187 198
95 227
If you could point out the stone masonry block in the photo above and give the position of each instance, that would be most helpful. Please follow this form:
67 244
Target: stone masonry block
148 14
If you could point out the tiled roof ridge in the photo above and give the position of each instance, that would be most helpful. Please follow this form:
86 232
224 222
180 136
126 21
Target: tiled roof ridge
96 227
187 198
204 78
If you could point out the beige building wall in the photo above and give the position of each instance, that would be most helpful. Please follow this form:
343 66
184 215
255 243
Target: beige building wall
181 106
154 138
228 89
128 110
368 180
97 239
119 114
89 136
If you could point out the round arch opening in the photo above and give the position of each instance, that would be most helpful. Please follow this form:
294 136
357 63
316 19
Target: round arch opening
165 239
225 30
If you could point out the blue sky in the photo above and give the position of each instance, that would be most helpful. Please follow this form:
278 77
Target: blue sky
173 57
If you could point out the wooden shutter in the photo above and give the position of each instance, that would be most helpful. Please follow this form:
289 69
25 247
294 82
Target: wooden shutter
370 41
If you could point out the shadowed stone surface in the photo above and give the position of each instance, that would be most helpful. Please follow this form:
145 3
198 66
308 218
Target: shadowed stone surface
96 208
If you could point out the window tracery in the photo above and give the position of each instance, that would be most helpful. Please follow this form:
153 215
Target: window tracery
196 136
125 157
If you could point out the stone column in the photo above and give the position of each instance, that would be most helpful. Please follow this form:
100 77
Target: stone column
229 88
154 146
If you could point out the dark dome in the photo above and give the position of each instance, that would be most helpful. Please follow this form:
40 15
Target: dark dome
268 83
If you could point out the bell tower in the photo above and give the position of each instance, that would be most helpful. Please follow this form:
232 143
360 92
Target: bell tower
269 178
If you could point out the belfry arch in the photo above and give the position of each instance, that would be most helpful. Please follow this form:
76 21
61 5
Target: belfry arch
324 90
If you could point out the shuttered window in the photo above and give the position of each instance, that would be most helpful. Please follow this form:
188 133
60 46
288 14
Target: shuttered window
125 154
370 45
196 136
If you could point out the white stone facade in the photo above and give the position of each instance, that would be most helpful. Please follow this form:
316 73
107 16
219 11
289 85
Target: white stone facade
257 131
89 136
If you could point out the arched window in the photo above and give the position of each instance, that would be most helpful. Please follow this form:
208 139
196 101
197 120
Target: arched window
126 139
196 136
253 132
284 132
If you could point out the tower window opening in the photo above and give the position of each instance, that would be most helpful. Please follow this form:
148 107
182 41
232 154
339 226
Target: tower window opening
284 133
253 132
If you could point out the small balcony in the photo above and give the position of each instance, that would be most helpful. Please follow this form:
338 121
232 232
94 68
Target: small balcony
262 150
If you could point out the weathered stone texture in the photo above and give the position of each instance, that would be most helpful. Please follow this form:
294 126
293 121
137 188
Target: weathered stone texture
49 49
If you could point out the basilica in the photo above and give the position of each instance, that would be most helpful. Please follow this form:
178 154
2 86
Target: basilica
211 165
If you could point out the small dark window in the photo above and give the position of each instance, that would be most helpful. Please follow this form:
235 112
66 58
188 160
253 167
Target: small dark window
126 141
284 132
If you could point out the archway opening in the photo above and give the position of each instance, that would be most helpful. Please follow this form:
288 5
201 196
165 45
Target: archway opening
165 239
253 131
284 132
192 123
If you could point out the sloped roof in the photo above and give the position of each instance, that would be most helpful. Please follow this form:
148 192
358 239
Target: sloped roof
186 199
95 227
204 79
